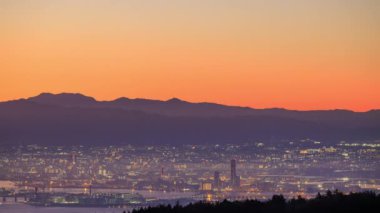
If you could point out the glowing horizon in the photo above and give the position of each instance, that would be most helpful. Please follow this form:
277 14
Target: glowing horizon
174 97
309 55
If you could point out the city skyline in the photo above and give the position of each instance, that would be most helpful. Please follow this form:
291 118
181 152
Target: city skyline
210 172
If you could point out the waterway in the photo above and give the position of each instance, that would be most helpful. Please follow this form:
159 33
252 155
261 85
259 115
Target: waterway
24 208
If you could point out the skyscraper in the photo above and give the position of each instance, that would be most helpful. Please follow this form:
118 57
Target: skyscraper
233 172
74 158
235 180
217 180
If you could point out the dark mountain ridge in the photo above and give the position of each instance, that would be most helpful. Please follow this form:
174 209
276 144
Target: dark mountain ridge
77 119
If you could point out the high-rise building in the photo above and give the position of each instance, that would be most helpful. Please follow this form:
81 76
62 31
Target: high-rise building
73 158
235 180
233 172
217 181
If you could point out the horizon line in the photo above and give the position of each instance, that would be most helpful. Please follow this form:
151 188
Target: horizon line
183 100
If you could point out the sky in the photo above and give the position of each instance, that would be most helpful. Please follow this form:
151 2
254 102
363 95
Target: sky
304 55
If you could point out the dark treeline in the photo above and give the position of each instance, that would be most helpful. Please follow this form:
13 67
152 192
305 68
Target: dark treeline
329 202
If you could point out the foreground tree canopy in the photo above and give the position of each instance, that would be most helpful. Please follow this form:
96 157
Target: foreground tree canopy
329 202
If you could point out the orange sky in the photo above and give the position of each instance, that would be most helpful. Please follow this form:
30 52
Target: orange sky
291 54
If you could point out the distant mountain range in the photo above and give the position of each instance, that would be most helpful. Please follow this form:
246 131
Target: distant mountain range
69 119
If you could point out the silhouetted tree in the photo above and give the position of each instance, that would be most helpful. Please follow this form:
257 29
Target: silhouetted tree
330 202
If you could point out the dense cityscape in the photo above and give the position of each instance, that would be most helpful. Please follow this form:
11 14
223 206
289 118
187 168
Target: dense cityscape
208 106
152 174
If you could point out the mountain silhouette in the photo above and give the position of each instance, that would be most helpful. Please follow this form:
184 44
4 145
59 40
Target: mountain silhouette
66 118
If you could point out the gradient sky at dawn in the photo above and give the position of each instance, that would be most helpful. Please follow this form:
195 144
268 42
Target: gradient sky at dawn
321 54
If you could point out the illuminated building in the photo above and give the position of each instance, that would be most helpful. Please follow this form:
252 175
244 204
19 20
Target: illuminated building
235 180
217 181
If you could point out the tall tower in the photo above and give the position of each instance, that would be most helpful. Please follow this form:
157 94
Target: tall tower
73 158
217 180
233 172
